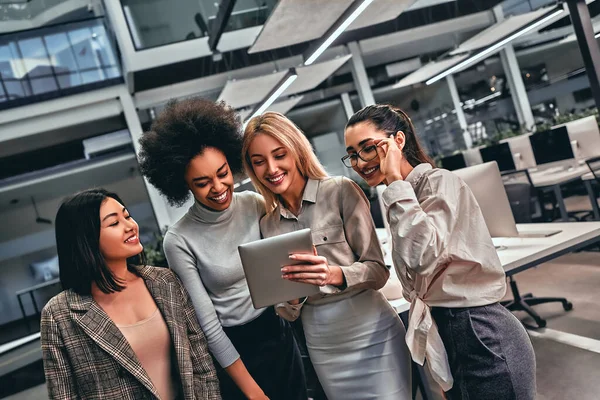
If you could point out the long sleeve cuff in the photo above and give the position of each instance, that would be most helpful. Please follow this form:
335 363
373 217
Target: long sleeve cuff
227 356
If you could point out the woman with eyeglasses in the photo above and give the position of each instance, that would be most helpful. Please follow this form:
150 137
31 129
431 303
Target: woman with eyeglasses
444 256
355 339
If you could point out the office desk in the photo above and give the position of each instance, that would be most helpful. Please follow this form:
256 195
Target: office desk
553 177
31 291
519 254
516 255
588 179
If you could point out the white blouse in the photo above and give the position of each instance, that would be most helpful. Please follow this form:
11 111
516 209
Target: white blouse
443 255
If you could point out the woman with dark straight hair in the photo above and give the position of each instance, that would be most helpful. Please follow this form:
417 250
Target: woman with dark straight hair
120 329
446 261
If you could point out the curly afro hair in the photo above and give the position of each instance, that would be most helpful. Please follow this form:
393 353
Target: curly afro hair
180 133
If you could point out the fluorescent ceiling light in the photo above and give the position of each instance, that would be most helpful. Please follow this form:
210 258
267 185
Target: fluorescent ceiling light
493 47
287 80
597 35
339 30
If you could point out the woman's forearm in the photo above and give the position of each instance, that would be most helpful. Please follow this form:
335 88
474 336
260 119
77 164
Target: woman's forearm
242 378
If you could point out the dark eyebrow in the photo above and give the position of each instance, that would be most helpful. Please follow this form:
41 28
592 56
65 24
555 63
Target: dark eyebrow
361 144
206 177
272 151
114 214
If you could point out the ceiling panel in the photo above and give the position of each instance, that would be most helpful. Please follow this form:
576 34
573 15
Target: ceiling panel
246 92
281 107
381 11
313 75
429 71
504 29
298 21
294 21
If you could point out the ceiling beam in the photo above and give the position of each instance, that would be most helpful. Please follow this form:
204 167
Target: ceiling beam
218 27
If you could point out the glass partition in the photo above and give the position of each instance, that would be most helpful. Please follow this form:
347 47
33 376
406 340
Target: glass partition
53 61
163 22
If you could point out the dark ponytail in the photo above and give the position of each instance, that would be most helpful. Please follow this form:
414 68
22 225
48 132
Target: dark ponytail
391 120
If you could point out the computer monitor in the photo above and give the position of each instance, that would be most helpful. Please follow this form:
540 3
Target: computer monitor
455 161
485 182
472 157
501 154
585 137
521 150
551 146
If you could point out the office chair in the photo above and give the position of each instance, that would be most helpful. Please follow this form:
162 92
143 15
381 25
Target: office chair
523 203
594 166
524 199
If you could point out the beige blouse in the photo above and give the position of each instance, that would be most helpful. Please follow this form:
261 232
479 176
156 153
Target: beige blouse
443 255
337 212
151 343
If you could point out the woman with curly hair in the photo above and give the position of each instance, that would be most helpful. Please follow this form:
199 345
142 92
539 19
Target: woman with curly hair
194 146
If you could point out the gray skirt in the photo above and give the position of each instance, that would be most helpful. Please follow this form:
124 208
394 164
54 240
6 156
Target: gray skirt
358 349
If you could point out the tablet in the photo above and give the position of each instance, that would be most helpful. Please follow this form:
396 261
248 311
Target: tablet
262 261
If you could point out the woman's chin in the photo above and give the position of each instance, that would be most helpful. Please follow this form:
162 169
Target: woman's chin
375 180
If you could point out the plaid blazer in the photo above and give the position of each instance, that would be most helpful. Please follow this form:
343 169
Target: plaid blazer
86 356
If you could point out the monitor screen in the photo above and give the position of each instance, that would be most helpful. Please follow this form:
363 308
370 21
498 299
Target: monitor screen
501 154
453 162
551 146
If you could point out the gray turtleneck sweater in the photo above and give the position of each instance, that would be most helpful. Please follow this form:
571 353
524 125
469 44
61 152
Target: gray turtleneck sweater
202 249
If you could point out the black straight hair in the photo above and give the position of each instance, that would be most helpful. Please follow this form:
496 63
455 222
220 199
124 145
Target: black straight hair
391 119
78 243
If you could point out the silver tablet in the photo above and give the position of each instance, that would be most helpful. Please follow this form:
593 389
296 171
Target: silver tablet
262 261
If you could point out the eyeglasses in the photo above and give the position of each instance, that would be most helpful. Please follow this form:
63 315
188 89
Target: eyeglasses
368 153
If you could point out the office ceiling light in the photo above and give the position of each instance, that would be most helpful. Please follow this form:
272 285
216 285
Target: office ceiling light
283 84
336 29
597 35
495 46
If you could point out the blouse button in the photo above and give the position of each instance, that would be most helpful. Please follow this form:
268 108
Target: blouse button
324 238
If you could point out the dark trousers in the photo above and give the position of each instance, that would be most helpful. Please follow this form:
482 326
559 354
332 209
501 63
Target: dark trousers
490 353
269 351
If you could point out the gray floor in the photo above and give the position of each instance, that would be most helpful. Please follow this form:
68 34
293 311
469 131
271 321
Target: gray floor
564 371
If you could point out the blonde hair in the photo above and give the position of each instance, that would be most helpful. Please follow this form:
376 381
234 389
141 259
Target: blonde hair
285 131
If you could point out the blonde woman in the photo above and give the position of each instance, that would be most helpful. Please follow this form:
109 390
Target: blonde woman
354 337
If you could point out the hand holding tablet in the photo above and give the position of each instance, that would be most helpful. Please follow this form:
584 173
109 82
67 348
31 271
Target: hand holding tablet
263 261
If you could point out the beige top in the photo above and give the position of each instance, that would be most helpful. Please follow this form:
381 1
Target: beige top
151 343
337 212
443 254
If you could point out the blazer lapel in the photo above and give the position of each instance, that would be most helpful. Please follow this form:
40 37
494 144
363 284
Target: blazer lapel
169 304
101 329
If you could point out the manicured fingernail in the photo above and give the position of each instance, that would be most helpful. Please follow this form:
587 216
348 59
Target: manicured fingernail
292 256
284 269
